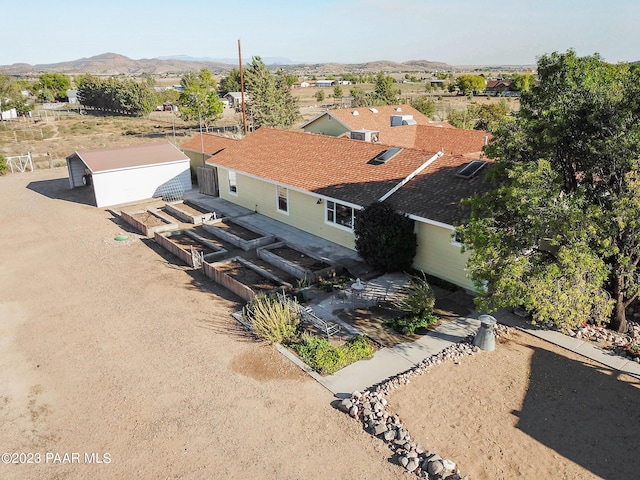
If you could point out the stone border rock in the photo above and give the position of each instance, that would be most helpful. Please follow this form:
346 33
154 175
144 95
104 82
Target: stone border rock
372 410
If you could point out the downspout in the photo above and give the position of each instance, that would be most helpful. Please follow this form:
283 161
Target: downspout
411 175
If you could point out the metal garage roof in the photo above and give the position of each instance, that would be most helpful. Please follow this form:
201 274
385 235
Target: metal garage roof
120 158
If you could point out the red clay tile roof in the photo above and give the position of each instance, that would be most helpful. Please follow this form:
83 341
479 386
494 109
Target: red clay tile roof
212 143
119 158
338 168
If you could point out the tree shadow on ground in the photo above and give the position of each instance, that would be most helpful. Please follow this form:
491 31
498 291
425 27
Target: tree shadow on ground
584 413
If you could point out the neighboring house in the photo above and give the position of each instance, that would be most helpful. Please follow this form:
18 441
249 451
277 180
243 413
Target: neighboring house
317 183
130 174
325 83
390 125
72 96
235 98
496 87
199 149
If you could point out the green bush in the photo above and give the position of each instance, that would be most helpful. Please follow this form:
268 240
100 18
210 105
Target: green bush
4 168
327 359
385 238
271 319
417 302
409 325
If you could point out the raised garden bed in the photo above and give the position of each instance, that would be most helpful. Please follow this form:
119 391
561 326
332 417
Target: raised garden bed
244 278
238 234
148 222
188 213
180 243
298 262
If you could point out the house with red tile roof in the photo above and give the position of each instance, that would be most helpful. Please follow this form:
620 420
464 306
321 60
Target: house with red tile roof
389 124
317 183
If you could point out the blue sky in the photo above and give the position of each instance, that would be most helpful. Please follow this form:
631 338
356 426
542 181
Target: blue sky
458 32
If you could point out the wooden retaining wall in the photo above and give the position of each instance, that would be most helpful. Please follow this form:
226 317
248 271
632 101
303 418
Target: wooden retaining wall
304 274
144 229
188 217
240 289
245 245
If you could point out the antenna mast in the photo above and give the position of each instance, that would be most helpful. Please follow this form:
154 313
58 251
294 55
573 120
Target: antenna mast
244 115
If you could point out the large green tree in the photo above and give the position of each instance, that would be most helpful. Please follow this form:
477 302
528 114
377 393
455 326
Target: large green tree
270 101
468 83
199 99
560 231
230 83
52 86
424 104
385 92
115 95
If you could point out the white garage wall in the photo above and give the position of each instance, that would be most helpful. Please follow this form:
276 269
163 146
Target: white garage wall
134 184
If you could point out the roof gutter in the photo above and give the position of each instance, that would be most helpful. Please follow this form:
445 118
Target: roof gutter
411 176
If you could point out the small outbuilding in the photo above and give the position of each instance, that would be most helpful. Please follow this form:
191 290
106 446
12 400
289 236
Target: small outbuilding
129 174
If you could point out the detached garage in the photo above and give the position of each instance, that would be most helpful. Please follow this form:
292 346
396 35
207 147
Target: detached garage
129 174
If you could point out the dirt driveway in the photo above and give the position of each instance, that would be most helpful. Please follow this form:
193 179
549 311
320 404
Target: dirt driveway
116 356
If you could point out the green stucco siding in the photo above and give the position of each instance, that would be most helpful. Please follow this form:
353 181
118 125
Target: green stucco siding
438 257
326 126
304 211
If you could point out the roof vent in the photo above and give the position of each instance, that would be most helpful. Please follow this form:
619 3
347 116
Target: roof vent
471 169
384 156
355 112
373 110
398 109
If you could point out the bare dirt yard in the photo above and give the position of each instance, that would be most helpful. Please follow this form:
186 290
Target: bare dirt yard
118 362
113 349
527 410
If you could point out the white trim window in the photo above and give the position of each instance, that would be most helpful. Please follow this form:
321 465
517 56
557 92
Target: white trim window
456 239
282 194
233 183
340 214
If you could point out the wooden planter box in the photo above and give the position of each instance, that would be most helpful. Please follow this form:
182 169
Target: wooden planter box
184 254
188 213
298 270
261 238
159 224
215 272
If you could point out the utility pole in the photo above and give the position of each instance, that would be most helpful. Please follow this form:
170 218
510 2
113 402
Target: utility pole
244 115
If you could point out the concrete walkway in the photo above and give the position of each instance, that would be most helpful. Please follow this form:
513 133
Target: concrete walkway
388 362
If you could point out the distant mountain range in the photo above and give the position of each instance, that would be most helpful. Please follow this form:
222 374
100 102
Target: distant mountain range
115 64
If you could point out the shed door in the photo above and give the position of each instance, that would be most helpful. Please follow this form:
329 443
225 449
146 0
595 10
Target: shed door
207 181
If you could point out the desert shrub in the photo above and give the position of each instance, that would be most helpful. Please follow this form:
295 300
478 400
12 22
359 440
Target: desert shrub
385 238
418 297
327 359
4 168
271 319
417 303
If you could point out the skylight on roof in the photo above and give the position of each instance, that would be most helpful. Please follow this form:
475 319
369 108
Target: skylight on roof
384 156
374 110
471 169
